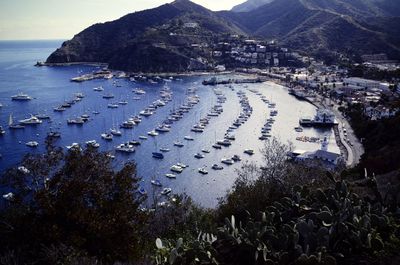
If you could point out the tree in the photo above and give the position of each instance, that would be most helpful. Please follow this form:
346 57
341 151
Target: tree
75 200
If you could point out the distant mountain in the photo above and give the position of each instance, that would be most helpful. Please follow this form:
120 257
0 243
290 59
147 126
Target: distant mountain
250 5
162 39
326 26
153 40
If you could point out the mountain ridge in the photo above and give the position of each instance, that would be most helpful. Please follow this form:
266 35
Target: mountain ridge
164 35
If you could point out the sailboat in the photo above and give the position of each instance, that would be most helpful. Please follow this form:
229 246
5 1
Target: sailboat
13 126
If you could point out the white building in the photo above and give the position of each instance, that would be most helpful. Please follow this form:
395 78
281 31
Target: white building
361 82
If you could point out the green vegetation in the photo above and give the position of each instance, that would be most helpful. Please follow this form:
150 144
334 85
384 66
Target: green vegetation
73 208
380 139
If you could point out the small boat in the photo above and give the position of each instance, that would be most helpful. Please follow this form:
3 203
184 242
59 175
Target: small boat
227 161
21 97
166 191
133 142
199 156
107 136
2 131
125 148
112 106
142 191
74 146
13 126
77 121
60 109
178 144
108 96
217 167
98 89
249 151
181 165
205 151
32 144
92 143
189 138
136 98
158 155
236 158
33 120
170 176
164 149
298 129
123 102
139 91
142 137
146 113
217 146
203 171
156 182
224 142
116 132
95 112
152 133
176 168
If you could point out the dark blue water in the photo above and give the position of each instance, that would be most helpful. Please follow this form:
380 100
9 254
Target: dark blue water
51 86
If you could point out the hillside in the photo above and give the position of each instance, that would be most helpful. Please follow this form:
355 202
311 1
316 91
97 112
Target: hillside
151 41
160 39
351 26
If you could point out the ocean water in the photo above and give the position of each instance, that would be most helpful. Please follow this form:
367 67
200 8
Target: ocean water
51 86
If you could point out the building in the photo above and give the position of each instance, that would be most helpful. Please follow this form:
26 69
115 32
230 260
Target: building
362 83
191 25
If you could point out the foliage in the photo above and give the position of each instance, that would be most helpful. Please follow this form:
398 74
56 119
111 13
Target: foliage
74 200
310 227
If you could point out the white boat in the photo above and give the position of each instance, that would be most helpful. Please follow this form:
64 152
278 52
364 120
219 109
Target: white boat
217 146
171 176
156 182
139 91
107 136
181 165
21 97
93 143
77 121
203 171
164 149
74 146
108 96
33 120
152 133
205 151
98 89
112 106
217 167
176 168
13 126
166 191
189 138
115 132
199 156
146 113
227 161
2 131
32 144
142 137
125 148
178 144
123 102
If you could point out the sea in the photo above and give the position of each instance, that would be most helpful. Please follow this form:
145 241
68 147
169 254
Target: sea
51 86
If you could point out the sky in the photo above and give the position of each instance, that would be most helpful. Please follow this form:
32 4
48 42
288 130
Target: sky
58 19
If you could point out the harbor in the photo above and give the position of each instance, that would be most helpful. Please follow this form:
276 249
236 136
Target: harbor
194 137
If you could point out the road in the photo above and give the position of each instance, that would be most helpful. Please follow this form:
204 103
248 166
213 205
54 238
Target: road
347 136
